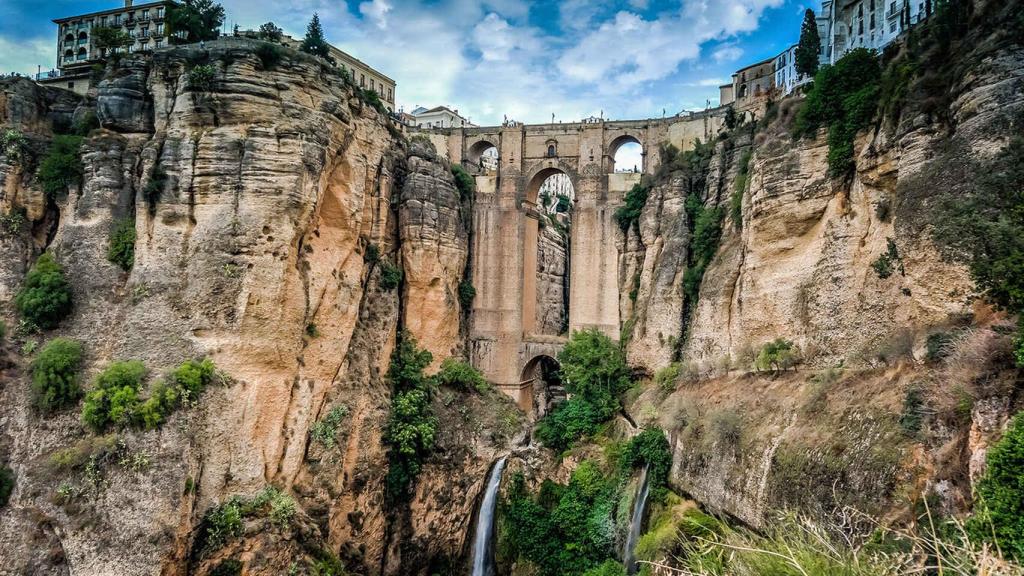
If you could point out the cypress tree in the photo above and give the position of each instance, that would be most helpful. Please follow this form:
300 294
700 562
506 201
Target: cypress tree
314 42
809 47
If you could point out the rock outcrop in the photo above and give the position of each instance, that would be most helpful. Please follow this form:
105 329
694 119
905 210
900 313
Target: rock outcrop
257 200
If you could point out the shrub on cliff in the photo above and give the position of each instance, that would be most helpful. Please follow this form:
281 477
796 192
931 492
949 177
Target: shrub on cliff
412 426
464 182
122 244
390 275
467 292
269 54
650 448
461 375
779 354
6 485
633 204
55 374
999 511
201 77
45 299
115 398
843 98
62 165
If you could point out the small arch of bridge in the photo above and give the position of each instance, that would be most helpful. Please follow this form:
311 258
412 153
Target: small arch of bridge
627 137
543 170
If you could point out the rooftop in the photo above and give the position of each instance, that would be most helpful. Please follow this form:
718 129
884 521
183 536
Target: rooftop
114 11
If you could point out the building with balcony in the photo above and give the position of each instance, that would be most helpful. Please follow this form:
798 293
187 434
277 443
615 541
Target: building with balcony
871 24
77 51
439 117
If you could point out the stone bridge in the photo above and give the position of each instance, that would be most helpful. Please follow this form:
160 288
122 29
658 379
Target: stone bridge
506 339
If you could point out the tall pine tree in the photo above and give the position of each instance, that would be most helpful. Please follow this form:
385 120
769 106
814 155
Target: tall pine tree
314 42
809 47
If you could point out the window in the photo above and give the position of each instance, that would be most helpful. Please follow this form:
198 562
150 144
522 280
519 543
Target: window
362 80
71 85
551 150
145 13
872 20
103 21
860 27
160 12
157 43
117 19
391 97
160 28
892 8
892 27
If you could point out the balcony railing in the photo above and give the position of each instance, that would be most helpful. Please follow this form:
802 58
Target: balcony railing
48 75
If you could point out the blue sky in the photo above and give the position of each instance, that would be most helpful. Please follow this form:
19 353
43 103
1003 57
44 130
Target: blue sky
527 59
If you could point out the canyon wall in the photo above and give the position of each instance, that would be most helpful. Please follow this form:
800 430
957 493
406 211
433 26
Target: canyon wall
267 204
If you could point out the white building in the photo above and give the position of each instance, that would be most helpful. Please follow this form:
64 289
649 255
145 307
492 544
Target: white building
439 117
786 77
871 24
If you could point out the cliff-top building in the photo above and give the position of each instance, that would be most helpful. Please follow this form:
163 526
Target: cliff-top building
76 47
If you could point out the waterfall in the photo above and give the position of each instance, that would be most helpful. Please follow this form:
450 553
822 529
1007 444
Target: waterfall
483 550
639 505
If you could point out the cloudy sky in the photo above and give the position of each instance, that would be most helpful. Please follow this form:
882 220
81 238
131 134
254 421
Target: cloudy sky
527 59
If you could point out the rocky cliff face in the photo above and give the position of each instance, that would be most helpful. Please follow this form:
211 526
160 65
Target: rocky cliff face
552 281
800 266
257 199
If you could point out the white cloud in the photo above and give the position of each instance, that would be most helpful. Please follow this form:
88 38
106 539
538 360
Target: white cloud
727 53
709 82
376 12
27 56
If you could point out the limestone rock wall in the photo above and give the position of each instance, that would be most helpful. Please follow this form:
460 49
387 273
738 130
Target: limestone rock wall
552 270
255 201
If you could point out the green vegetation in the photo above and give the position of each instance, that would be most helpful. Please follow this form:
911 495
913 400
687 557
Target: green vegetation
13 145
633 204
983 226
463 182
6 485
650 448
461 375
122 244
223 523
937 346
45 299
197 19
270 31
736 200
412 426
314 42
999 511
843 98
62 165
595 373
809 47
609 568
706 225
108 38
467 292
888 261
912 415
390 275
372 254
779 354
563 530
325 432
13 222
373 99
55 375
115 398
665 378
201 77
269 54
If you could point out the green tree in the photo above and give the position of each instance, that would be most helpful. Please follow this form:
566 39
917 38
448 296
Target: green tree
779 354
999 512
122 244
270 31
45 299
809 47
62 165
108 38
594 368
314 42
412 426
195 20
55 374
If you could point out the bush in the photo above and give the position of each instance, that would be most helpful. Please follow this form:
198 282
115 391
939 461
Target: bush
568 422
466 294
913 412
938 344
201 77
372 255
412 426
115 398
13 145
706 233
55 374
390 275
269 55
999 511
665 378
884 265
609 568
633 205
62 165
193 376
650 448
45 299
373 99
461 375
122 244
6 485
843 98
325 432
779 354
463 182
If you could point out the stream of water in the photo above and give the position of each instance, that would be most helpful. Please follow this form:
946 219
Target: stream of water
483 548
639 505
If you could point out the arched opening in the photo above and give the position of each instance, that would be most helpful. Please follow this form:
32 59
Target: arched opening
83 36
69 38
627 155
541 377
483 157
550 199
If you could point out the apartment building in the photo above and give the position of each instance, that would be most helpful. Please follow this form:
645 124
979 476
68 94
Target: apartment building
77 50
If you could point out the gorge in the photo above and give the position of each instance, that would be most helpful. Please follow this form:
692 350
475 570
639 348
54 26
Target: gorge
292 336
